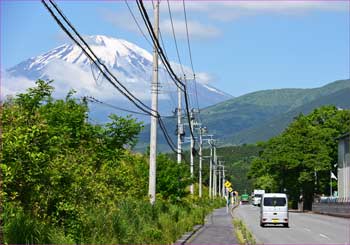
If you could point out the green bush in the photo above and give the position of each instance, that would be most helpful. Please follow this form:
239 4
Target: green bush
67 181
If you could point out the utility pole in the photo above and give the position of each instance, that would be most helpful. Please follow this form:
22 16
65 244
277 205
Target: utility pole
200 160
179 126
211 168
214 173
223 180
219 189
191 150
154 118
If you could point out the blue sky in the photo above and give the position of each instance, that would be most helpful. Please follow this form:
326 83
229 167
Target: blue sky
242 46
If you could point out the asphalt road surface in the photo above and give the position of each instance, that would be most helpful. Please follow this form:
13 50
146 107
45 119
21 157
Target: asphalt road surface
304 228
217 230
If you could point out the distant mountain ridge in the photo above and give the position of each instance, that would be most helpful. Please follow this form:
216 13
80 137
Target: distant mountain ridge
252 112
261 115
69 67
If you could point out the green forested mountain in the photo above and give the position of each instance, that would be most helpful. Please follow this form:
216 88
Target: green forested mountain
275 125
261 115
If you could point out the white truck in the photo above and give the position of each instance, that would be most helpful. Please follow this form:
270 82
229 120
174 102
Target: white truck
257 194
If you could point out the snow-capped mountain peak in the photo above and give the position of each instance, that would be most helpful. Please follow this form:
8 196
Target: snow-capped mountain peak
70 68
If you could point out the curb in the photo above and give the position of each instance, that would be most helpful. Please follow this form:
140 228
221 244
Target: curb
185 237
197 229
257 241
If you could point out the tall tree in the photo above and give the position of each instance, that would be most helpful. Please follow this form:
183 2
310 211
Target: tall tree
306 150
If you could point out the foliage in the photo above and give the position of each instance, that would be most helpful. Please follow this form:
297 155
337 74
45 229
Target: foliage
258 116
172 178
237 161
307 148
68 181
244 236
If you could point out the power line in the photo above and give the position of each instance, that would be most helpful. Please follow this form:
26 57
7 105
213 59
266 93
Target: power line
137 23
161 122
190 55
158 47
164 60
188 38
92 99
174 36
127 94
96 60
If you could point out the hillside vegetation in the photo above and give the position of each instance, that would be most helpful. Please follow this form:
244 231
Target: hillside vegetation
260 115
66 181
299 160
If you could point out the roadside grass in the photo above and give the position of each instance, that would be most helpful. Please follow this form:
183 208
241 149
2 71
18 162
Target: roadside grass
244 236
131 222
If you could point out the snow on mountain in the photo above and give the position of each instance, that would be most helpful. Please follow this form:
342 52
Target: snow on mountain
69 67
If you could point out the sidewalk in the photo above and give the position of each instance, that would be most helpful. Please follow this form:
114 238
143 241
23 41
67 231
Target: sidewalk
218 229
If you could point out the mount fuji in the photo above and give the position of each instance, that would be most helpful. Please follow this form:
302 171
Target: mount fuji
68 66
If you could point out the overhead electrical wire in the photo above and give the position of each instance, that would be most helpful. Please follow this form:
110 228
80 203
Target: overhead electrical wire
188 37
98 64
137 23
157 46
174 37
161 122
166 63
190 55
96 60
92 99
143 34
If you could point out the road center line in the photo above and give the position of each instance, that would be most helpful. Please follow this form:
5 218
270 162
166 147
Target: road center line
324 236
307 229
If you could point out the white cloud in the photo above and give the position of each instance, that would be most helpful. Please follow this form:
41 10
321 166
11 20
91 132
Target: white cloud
196 29
199 13
68 76
126 21
231 10
11 86
205 78
121 20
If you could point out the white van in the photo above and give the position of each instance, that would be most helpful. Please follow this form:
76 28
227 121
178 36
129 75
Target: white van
274 209
257 197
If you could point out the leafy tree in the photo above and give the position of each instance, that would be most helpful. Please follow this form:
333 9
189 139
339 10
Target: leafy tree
172 178
60 172
307 148
122 132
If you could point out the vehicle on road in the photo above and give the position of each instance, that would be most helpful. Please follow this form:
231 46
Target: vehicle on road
274 209
257 194
244 199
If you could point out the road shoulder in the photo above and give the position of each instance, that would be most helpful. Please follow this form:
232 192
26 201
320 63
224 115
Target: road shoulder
218 229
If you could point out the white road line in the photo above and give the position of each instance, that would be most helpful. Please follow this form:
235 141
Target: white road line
307 229
324 236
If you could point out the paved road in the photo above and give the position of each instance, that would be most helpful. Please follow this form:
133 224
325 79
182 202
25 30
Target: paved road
217 230
305 228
